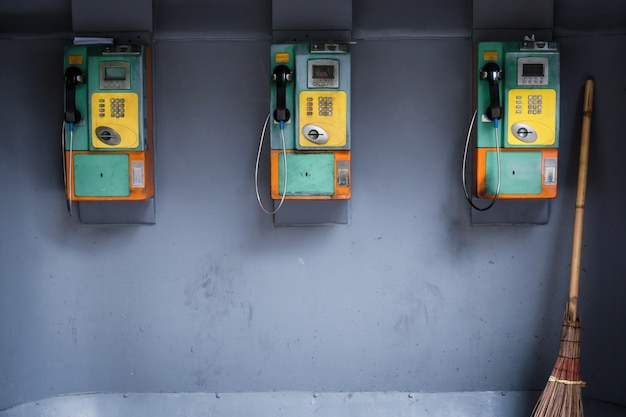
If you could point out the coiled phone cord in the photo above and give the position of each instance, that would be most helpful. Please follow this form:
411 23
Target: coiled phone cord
467 140
65 173
256 168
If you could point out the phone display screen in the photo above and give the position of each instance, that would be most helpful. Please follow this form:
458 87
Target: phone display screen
532 70
323 71
114 73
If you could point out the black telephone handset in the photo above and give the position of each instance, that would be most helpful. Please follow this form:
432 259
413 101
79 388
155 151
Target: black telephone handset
281 75
73 76
492 73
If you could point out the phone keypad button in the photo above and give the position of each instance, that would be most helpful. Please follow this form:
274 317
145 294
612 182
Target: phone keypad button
117 107
535 104
325 106
101 109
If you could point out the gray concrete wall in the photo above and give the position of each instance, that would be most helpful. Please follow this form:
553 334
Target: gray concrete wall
213 298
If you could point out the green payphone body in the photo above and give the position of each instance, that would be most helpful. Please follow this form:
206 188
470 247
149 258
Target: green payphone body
107 134
517 122
310 121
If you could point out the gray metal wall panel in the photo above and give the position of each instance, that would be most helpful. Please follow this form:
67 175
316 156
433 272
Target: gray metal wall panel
226 19
44 18
375 19
512 14
321 15
582 17
111 16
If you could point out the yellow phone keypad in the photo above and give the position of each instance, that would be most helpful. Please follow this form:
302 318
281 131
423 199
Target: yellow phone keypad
119 112
327 110
533 112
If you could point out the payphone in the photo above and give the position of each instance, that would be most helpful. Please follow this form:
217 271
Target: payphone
517 87
107 132
310 152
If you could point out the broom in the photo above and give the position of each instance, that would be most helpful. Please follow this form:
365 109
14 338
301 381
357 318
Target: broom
562 396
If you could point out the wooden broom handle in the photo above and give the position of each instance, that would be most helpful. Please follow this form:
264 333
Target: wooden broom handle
581 192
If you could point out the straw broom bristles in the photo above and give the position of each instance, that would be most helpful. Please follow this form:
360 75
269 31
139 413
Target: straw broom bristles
562 395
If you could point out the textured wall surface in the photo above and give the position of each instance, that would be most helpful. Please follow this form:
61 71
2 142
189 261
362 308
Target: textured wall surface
213 298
